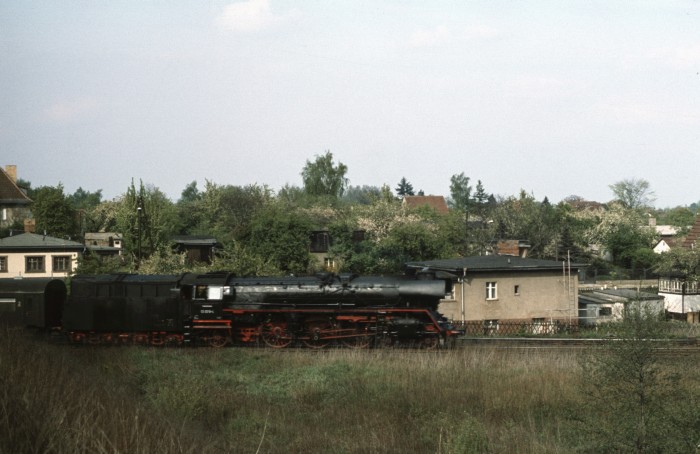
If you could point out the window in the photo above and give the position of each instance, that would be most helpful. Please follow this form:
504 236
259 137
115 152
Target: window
61 263
3 264
516 290
35 264
320 242
328 264
491 291
605 311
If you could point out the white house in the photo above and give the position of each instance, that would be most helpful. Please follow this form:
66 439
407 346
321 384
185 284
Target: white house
32 255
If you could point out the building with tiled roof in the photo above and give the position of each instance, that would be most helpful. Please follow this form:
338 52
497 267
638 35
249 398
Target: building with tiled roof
14 203
691 240
436 202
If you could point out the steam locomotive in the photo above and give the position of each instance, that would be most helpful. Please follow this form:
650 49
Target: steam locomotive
218 309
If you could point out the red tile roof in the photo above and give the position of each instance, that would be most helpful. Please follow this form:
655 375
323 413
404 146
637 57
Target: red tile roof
10 193
693 235
436 202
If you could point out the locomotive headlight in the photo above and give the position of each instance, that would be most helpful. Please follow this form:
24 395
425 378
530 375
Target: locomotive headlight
228 290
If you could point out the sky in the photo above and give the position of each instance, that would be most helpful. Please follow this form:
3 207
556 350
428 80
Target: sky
555 98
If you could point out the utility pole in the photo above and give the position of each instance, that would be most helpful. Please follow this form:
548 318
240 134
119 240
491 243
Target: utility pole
139 214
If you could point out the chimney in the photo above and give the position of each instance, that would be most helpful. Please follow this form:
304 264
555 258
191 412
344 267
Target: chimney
11 171
29 226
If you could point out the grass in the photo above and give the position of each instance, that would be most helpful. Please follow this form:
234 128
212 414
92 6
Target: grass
60 398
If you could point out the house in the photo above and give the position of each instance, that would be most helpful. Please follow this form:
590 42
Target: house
681 296
104 243
664 245
500 288
608 304
681 293
32 255
320 242
691 240
14 203
435 202
196 248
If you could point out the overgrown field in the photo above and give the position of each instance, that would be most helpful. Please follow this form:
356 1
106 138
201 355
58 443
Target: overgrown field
61 399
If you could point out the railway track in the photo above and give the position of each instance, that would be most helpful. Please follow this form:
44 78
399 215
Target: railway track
688 346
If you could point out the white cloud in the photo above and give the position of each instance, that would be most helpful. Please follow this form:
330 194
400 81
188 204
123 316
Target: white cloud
537 87
248 16
430 37
70 110
640 114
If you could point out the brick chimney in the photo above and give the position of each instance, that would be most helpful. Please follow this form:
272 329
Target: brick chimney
29 226
11 171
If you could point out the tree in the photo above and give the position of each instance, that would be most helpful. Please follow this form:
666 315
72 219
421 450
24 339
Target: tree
323 178
524 218
85 200
633 193
681 262
637 405
54 212
190 193
361 195
404 188
281 236
147 219
624 233
460 200
460 193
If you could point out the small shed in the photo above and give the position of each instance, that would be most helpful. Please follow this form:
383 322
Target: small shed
608 304
197 248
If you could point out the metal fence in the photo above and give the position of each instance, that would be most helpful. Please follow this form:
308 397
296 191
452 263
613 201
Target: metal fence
518 328
564 328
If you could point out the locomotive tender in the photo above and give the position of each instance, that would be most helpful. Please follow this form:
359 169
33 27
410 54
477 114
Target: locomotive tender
217 309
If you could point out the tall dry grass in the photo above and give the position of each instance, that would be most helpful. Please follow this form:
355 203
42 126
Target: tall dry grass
58 398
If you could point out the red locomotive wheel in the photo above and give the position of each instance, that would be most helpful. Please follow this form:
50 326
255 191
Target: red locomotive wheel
430 342
360 339
275 335
217 340
318 333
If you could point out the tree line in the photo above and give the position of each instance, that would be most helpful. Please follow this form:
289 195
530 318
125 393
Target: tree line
262 231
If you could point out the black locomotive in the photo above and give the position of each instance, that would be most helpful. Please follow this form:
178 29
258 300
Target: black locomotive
218 309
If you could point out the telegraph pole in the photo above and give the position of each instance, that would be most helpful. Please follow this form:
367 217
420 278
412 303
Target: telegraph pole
139 214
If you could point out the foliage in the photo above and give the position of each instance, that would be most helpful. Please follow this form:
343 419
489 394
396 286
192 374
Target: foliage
242 261
93 264
361 195
186 400
633 193
530 220
682 262
54 213
323 178
282 237
404 188
156 219
636 400
460 193
682 218
85 200
624 233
